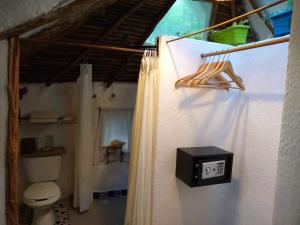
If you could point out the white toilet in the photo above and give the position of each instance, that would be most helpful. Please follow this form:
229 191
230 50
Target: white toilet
43 192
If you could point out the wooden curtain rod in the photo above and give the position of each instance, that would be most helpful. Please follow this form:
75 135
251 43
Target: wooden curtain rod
90 46
249 46
104 108
229 21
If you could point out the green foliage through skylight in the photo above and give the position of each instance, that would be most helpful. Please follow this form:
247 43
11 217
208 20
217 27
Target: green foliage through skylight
185 16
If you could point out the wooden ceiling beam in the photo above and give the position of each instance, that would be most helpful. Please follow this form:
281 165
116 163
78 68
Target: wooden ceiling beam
59 13
214 11
233 8
120 70
262 15
101 38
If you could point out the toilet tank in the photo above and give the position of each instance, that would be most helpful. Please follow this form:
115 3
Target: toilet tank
40 169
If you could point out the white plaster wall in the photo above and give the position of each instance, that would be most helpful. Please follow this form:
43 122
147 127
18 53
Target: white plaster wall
287 204
63 99
245 123
3 125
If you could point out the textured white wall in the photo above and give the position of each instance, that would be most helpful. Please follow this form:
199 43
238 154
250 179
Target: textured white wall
3 125
287 204
63 99
245 123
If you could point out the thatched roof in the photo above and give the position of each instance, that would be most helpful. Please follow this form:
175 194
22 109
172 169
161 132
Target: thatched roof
122 23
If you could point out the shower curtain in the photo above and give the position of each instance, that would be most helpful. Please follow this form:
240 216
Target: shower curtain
84 148
139 202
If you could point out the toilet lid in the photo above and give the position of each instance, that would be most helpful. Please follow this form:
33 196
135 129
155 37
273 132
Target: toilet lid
42 190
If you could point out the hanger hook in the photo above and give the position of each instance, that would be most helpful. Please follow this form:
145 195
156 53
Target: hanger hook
208 59
228 56
213 58
224 56
219 57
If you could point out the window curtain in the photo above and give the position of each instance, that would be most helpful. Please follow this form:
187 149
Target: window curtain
142 154
113 124
84 151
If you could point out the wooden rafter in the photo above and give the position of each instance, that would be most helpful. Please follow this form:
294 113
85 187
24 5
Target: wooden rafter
120 70
101 38
214 11
262 16
61 28
115 76
13 132
124 64
219 15
233 8
72 10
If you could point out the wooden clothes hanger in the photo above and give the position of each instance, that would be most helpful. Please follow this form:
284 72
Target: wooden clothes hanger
205 68
185 80
212 67
223 66
206 72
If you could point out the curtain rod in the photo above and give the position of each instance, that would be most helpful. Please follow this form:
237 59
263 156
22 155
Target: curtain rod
230 21
111 108
249 46
90 46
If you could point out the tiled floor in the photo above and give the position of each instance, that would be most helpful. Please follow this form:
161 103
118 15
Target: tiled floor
103 212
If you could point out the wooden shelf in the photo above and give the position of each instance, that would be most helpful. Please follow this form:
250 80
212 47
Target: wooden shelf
55 151
28 122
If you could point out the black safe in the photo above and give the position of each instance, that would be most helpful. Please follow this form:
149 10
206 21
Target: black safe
201 166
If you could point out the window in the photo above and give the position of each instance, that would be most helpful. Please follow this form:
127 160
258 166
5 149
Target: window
114 124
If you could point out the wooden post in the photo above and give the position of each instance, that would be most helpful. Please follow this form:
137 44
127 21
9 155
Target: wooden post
13 132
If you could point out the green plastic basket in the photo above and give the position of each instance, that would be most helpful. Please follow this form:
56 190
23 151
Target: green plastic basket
233 35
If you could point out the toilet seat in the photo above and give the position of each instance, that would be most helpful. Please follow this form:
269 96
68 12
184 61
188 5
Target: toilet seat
41 194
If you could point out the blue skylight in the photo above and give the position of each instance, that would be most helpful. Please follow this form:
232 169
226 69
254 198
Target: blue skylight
184 17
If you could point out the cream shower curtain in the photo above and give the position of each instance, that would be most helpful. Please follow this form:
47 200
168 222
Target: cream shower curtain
85 142
139 202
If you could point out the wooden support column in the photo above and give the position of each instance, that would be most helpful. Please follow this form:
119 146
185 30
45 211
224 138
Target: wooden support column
13 132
